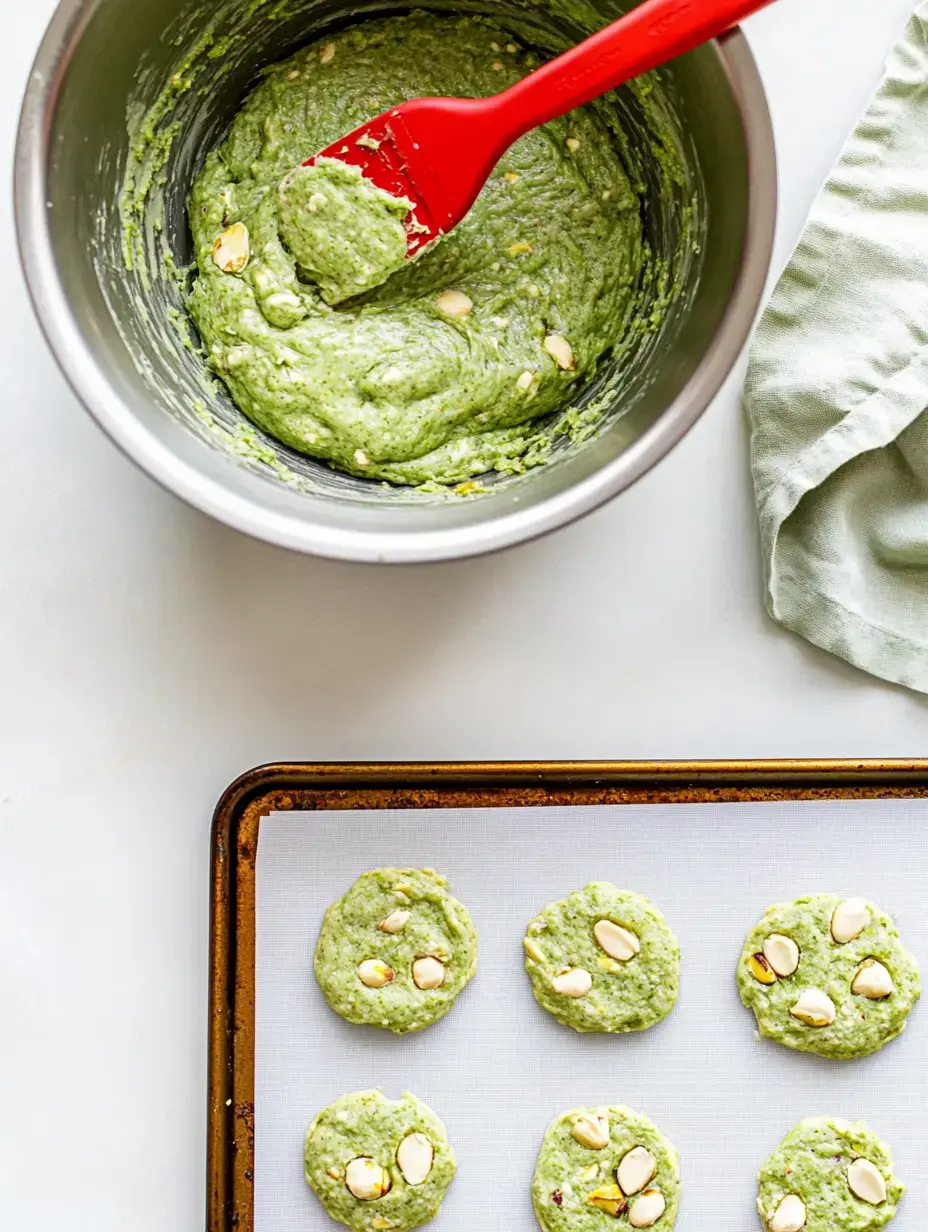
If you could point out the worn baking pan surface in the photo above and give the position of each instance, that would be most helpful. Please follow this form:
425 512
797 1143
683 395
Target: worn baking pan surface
724 1098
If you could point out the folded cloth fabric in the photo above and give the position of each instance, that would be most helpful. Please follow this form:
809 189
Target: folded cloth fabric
837 395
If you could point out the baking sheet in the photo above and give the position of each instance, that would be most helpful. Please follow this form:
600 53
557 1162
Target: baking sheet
497 1069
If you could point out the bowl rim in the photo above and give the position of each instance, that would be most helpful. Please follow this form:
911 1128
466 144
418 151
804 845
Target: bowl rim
90 383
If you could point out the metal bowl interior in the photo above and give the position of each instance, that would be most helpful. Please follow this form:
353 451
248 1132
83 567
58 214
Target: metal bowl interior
101 67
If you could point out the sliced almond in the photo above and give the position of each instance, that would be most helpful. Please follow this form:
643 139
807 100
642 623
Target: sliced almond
327 54
560 351
790 1215
608 1198
647 1209
572 144
395 922
366 1179
524 381
414 1156
573 983
532 950
521 246
849 920
428 973
866 1182
815 1008
761 969
873 981
375 974
617 941
591 1131
455 304
232 249
635 1170
782 953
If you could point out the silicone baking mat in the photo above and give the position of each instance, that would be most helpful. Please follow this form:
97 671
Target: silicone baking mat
497 1068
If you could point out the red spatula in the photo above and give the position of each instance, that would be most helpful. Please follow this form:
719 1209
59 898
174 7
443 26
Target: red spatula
438 152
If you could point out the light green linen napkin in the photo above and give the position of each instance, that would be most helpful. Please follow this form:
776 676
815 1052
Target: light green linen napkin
837 392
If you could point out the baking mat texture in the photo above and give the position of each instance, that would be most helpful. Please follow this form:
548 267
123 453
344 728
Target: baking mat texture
497 1069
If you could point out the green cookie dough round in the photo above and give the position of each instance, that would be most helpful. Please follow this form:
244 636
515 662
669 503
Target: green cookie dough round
377 1163
396 950
603 959
600 1164
839 998
828 1175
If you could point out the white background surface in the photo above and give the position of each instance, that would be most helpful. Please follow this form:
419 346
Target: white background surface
497 1069
148 656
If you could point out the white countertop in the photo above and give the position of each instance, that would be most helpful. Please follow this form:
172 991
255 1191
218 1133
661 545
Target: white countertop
150 655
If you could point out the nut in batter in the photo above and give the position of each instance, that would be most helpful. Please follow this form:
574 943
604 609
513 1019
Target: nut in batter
618 942
366 1179
232 249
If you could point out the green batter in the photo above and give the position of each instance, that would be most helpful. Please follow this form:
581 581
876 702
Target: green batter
597 1165
603 959
345 233
828 1175
378 1164
443 371
396 950
829 975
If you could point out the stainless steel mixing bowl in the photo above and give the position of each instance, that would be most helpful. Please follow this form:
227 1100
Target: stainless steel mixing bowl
103 62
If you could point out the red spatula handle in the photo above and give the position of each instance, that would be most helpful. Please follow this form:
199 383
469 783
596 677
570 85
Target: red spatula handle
650 35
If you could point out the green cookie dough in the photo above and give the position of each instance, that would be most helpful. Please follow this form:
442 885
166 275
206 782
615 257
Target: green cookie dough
828 1175
603 959
813 993
396 950
597 1165
376 1163
402 383
343 231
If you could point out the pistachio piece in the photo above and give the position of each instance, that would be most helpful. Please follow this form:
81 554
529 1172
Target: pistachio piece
428 973
588 1173
414 1156
782 953
761 969
608 1198
366 1179
395 922
232 249
866 1182
379 1224
815 1008
455 304
849 920
560 351
374 974
790 1215
635 1169
574 982
617 941
647 1209
591 1131
525 380
333 1173
873 980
